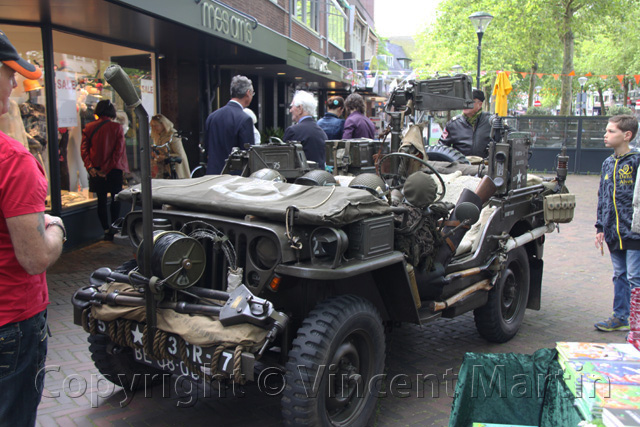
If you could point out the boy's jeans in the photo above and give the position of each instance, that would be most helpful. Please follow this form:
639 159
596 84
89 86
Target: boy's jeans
23 350
626 275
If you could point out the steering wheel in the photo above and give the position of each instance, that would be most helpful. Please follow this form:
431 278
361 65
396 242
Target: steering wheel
396 177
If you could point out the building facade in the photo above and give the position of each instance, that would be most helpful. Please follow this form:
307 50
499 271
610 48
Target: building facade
180 55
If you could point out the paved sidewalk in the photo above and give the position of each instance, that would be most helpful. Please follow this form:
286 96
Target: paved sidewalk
577 292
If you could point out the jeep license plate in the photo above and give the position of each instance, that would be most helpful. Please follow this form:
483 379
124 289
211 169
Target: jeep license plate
178 367
199 356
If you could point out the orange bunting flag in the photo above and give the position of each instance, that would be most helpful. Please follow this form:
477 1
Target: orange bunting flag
555 76
637 77
508 73
588 74
523 74
539 75
620 77
604 77
572 73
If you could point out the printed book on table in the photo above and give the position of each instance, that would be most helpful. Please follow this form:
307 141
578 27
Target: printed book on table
598 351
612 417
499 425
577 372
598 396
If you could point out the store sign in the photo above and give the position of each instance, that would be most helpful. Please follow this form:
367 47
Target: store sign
318 64
148 100
222 20
66 85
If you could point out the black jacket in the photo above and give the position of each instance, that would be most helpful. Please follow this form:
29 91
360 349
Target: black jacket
615 201
225 128
469 141
312 138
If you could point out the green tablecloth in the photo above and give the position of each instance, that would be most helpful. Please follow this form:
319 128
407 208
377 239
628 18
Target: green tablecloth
513 389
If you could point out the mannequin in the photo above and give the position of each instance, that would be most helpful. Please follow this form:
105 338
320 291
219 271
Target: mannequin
11 124
34 118
78 177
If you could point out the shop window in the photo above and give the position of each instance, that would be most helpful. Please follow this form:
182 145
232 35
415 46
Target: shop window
79 68
26 120
306 11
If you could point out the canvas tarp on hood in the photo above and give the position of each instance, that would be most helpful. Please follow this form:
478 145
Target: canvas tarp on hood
238 196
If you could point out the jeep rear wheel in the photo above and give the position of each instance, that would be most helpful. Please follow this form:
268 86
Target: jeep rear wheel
118 365
330 374
501 317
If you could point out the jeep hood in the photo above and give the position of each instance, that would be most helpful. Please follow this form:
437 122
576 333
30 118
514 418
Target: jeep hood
238 196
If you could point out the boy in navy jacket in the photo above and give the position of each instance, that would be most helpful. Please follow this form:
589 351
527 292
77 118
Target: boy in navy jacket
615 213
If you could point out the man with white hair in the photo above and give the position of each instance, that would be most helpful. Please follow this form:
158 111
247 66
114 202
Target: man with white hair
306 130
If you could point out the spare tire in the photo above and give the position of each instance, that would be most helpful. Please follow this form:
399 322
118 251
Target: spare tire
442 153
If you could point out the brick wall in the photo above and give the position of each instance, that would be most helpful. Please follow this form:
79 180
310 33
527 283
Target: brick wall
267 13
302 35
276 17
335 53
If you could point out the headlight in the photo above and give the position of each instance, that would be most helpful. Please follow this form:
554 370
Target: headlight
328 245
264 253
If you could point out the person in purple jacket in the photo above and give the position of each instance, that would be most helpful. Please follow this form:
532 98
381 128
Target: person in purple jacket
357 124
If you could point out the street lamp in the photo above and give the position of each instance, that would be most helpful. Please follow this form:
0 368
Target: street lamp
480 21
456 69
582 81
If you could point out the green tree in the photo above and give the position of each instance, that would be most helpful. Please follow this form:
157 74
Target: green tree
612 50
536 35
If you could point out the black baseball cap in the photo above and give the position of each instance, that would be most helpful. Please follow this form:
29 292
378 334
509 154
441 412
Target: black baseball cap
478 94
9 57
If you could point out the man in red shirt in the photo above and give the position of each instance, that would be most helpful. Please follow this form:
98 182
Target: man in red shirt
30 242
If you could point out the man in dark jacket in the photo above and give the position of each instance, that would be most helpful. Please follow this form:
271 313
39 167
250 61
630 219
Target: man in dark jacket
306 131
469 132
229 126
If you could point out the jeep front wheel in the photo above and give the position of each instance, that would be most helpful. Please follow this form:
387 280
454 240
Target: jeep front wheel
501 317
333 372
117 364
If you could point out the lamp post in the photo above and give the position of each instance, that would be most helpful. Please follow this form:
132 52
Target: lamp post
456 69
480 21
582 81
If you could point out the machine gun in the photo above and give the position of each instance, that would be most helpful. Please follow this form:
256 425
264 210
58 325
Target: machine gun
441 94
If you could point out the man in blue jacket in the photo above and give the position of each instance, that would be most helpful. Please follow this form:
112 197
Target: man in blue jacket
306 129
615 213
229 126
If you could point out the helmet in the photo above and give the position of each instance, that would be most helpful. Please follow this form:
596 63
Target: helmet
316 177
420 189
370 182
267 174
30 85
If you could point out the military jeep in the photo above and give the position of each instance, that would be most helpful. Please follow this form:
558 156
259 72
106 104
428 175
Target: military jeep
235 275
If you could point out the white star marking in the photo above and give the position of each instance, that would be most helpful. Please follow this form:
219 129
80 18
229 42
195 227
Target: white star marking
137 335
519 176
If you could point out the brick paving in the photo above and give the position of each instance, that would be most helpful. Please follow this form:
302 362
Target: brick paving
577 292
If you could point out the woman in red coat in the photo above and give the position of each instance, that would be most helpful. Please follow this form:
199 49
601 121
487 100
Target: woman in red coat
105 158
